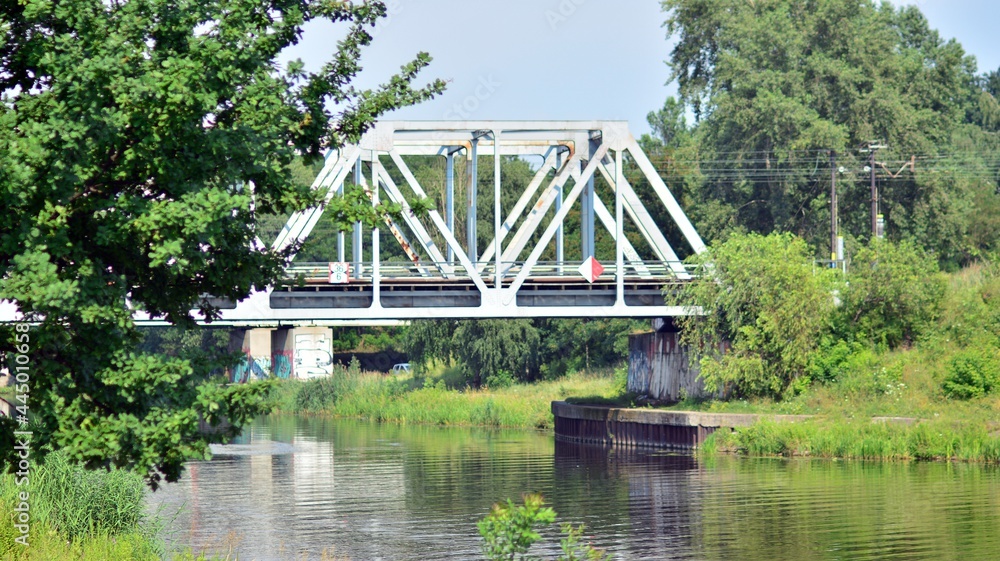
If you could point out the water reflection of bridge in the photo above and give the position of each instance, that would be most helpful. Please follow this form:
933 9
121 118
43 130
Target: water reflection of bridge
663 492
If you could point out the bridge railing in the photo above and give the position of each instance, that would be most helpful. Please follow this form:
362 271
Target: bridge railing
634 270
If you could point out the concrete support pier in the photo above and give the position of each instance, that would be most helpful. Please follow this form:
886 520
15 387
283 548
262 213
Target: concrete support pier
661 369
255 344
282 352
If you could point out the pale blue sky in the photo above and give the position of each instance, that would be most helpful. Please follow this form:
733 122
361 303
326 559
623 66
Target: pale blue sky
565 59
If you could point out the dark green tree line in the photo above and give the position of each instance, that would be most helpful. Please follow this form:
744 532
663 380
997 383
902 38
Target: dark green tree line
774 87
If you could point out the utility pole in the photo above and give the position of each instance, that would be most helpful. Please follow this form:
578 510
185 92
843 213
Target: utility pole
874 198
833 205
872 148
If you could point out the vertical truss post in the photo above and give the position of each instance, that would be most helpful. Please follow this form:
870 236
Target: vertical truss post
587 204
559 233
356 241
470 226
619 233
340 235
515 213
496 206
449 205
376 266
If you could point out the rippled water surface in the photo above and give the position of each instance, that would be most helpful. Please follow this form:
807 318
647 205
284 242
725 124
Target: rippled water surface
306 488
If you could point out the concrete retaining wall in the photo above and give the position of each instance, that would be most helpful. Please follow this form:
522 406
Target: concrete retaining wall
646 427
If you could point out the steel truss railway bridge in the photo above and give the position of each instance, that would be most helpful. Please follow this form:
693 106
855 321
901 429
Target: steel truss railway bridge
444 277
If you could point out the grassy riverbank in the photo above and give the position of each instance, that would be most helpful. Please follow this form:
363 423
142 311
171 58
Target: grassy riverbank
440 399
947 380
75 514
827 437
888 406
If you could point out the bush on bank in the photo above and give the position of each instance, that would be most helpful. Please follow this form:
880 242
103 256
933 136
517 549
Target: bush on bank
762 296
789 323
906 341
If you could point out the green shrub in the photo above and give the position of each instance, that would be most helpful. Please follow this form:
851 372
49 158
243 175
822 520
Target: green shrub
510 530
500 379
829 363
893 295
763 296
972 373
619 386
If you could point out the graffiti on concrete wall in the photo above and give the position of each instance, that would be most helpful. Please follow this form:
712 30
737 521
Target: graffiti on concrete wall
251 368
312 355
281 364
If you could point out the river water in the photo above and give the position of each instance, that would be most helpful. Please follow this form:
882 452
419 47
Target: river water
313 488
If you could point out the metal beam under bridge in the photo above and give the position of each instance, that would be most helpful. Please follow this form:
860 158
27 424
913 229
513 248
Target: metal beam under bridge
523 270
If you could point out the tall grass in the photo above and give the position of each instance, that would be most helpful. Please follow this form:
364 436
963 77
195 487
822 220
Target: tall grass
863 439
81 502
430 400
78 514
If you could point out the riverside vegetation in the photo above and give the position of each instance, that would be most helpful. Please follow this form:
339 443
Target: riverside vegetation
83 514
79 514
441 397
895 337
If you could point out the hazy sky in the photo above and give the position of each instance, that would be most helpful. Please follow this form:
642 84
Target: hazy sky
564 59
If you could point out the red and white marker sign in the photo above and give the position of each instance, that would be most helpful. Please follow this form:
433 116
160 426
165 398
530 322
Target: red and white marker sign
591 269
340 272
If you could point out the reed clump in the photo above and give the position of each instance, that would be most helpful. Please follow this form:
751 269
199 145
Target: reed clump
78 514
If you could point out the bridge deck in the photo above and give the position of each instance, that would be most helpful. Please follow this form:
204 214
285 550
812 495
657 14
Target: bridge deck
463 293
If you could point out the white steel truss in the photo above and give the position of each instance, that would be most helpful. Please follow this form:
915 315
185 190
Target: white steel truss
456 280
493 283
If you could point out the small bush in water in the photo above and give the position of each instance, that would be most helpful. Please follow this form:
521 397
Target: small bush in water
509 531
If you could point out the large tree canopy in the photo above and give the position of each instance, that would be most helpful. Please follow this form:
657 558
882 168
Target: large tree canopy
776 85
139 139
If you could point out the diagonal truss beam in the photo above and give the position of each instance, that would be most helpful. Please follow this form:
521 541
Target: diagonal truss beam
404 242
609 222
557 220
439 223
690 234
539 210
301 224
647 226
522 202
425 240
